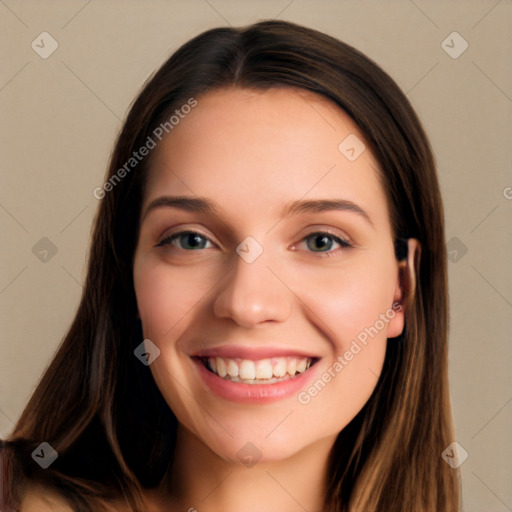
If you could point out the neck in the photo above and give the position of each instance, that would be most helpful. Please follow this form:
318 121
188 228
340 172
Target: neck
200 480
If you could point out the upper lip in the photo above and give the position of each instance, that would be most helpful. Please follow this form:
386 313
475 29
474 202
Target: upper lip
254 353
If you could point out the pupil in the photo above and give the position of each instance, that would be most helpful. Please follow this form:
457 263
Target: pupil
193 240
321 242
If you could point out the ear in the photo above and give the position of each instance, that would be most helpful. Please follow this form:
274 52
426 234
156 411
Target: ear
405 287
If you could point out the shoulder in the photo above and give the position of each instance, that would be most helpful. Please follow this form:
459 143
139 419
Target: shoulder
37 499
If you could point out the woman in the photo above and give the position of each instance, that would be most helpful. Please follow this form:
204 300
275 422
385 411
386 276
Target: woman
264 320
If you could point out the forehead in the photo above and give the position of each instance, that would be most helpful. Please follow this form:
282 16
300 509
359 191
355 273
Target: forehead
241 146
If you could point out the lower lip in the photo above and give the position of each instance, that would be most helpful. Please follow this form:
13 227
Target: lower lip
254 393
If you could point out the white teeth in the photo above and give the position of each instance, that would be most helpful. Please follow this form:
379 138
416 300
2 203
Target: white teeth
247 370
280 367
266 370
302 365
232 368
221 367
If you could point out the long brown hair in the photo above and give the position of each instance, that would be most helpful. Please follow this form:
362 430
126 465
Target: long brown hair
100 409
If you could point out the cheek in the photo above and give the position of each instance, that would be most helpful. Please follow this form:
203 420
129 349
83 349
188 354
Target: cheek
349 301
165 295
352 308
166 298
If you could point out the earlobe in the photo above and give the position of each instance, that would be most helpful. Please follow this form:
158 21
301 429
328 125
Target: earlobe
405 286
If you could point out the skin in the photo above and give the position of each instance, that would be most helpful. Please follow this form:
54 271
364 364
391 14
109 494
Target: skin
250 153
38 499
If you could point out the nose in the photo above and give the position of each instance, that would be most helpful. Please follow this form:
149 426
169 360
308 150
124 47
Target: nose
251 295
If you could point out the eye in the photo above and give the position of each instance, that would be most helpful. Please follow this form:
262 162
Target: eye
187 240
323 242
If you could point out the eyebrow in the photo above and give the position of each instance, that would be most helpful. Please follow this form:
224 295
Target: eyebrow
203 205
322 205
191 204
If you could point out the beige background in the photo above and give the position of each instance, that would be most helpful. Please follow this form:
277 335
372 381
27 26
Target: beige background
60 116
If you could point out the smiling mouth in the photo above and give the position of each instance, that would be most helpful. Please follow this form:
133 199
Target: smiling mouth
262 371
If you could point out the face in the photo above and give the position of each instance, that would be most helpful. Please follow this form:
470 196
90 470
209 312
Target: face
265 271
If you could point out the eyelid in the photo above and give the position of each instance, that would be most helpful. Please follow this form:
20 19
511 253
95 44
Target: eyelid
334 232
175 232
342 240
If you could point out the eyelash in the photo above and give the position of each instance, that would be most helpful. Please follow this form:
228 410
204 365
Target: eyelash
169 239
344 243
